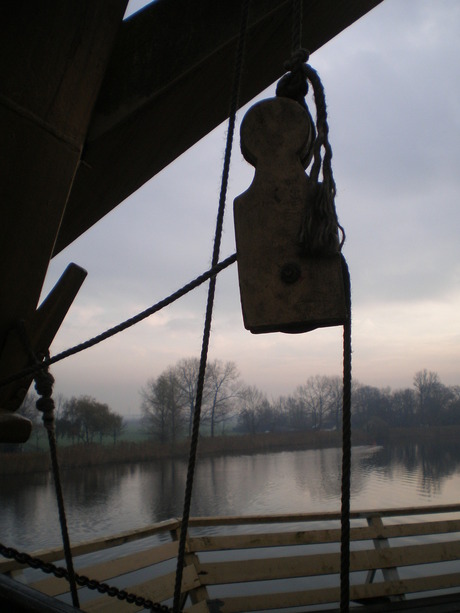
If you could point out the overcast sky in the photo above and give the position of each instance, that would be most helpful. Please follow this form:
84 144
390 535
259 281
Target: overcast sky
392 83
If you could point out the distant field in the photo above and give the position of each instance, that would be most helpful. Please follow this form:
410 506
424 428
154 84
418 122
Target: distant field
133 433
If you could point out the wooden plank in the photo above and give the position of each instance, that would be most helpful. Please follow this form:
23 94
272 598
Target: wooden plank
40 332
157 590
39 168
332 594
420 528
381 542
98 544
397 530
60 57
445 603
310 537
283 518
200 607
325 564
111 568
51 68
162 92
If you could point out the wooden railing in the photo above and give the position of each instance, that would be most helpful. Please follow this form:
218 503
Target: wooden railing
236 564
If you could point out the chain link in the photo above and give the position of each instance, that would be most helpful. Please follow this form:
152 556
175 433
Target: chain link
82 580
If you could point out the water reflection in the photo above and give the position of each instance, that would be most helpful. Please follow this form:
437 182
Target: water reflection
430 465
111 499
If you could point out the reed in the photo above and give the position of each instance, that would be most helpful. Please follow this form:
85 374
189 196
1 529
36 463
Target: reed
94 454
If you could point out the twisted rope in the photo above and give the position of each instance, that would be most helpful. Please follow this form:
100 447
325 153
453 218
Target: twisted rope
346 452
210 304
319 231
44 382
296 25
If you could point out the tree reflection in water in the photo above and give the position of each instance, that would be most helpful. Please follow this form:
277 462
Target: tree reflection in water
110 499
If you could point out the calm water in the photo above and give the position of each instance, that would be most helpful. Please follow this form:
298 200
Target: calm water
112 499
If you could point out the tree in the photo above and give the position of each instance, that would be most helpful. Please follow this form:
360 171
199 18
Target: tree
223 389
187 371
163 406
83 418
319 396
403 405
168 402
335 401
115 426
252 405
433 397
297 416
370 403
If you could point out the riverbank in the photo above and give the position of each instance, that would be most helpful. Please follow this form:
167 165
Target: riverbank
78 456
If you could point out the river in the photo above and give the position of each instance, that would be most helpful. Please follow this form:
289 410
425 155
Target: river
110 499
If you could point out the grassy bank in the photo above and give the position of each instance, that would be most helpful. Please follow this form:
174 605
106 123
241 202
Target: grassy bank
144 451
95 454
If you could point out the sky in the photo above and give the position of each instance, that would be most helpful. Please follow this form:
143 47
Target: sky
392 83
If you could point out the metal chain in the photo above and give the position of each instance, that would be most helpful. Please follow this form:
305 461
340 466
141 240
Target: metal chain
82 580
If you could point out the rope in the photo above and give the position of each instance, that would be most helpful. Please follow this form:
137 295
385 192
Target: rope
81 580
32 370
210 303
319 231
44 382
346 452
45 404
296 25
319 235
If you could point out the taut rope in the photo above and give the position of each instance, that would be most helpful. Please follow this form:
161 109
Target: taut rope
210 304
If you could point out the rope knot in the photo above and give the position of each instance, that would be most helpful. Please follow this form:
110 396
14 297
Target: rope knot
297 59
294 84
44 382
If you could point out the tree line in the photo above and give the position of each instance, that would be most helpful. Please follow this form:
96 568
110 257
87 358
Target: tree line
79 419
168 403
229 405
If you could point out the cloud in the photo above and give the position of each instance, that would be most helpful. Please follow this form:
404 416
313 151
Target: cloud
392 86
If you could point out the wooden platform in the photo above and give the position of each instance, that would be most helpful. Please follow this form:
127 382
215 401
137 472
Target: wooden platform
254 563
436 604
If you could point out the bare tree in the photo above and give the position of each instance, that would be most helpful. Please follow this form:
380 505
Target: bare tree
187 371
252 404
223 387
403 405
163 406
316 396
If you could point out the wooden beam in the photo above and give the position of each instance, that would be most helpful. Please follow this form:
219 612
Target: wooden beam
168 85
54 55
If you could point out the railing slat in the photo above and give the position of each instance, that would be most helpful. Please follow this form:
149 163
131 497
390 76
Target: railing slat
98 544
157 590
239 571
112 568
314 530
310 537
329 595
